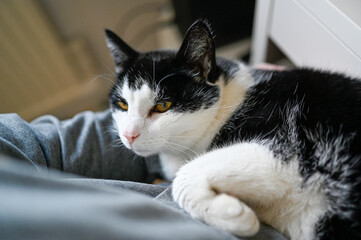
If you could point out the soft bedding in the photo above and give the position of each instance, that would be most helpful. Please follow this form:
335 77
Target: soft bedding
71 180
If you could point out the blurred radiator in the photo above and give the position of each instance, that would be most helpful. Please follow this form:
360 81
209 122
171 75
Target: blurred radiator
38 72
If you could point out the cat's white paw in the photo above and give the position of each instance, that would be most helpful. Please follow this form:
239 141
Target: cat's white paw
230 214
197 197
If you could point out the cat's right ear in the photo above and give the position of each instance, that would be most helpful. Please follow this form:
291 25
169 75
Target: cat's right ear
121 52
198 51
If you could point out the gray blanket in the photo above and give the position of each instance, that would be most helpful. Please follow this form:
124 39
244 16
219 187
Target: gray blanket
71 180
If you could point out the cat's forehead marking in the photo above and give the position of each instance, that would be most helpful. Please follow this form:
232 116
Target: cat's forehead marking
137 78
139 100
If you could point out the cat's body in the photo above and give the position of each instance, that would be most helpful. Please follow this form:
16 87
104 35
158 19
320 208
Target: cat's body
282 147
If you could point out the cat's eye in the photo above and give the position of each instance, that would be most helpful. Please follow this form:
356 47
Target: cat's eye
164 106
123 105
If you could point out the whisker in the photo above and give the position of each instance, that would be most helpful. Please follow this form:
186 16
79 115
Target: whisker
110 70
110 81
177 152
184 155
153 70
184 147
170 147
169 75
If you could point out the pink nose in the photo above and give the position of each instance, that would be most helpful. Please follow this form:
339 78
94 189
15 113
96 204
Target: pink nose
131 136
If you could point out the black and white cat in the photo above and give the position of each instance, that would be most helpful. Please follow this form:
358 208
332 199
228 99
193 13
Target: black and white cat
244 145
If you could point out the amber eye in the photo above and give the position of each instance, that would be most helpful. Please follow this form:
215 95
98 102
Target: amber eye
162 107
123 105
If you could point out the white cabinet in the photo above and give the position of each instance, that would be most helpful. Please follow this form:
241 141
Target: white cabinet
311 33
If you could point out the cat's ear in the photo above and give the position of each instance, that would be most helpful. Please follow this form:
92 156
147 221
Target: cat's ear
198 51
121 52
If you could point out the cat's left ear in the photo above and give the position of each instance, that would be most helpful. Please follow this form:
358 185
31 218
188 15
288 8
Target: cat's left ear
198 51
121 52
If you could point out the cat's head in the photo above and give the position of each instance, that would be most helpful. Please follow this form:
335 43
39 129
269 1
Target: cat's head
164 99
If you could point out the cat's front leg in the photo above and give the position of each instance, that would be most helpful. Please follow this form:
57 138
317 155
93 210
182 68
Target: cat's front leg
215 187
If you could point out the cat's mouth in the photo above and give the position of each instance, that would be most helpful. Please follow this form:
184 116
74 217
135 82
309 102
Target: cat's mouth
138 148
